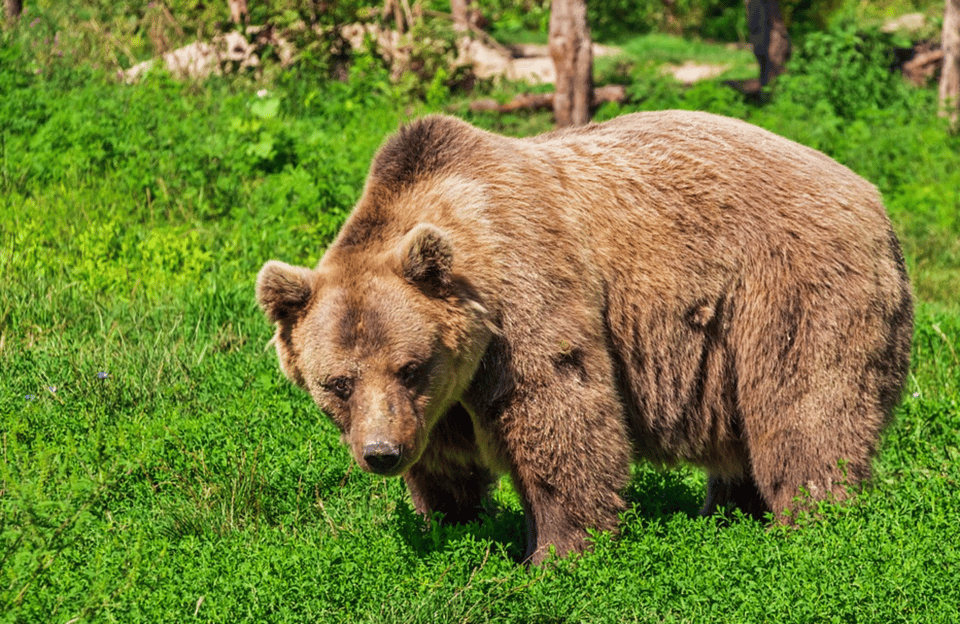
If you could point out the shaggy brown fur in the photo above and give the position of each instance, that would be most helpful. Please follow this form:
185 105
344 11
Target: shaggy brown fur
673 286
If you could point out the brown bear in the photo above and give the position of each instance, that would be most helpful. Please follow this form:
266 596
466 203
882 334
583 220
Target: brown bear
674 286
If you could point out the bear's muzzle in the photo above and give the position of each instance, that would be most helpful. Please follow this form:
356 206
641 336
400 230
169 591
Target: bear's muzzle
382 457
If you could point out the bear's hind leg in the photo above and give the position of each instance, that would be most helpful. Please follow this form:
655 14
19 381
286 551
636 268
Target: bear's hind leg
794 468
726 493
815 385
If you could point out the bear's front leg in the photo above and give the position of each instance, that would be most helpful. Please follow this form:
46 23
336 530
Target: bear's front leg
456 491
449 477
570 457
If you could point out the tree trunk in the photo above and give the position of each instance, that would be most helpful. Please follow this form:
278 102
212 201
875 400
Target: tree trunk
950 74
238 11
13 9
572 54
769 37
461 19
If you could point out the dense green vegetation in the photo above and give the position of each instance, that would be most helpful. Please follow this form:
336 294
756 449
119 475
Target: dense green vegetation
156 467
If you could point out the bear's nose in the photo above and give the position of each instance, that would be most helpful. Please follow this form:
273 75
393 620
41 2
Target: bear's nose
382 457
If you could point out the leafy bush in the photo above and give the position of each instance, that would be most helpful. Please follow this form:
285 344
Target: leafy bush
114 36
724 20
508 17
843 71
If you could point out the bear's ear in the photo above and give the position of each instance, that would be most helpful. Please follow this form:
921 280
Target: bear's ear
283 290
426 257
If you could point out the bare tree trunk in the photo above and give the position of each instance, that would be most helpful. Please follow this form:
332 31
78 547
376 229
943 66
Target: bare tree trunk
461 18
401 12
572 54
13 9
769 37
238 11
950 74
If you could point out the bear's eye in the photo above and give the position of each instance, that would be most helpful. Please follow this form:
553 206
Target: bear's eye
411 374
341 387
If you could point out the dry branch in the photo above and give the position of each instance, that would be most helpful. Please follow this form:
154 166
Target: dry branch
479 32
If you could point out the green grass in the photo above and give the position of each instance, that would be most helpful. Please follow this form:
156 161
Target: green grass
191 481
662 48
655 50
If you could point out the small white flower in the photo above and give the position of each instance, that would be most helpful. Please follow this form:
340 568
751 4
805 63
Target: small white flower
262 93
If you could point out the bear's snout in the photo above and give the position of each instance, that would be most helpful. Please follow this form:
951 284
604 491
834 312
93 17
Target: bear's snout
382 457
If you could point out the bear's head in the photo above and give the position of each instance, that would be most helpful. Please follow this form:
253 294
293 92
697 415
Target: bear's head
385 342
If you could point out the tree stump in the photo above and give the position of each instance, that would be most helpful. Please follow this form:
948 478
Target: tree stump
950 74
572 54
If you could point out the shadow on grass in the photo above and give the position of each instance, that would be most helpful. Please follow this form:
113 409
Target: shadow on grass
501 525
651 494
657 494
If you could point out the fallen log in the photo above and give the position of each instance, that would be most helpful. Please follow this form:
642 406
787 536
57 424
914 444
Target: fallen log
544 101
922 67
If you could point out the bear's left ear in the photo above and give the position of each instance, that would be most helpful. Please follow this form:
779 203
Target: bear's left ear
426 257
283 290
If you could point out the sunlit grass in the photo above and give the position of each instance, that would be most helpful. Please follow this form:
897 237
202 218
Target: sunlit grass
156 466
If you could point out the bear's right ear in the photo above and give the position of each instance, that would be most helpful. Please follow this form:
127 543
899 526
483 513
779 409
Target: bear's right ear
283 290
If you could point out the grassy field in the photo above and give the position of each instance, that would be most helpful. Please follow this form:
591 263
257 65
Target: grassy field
156 466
